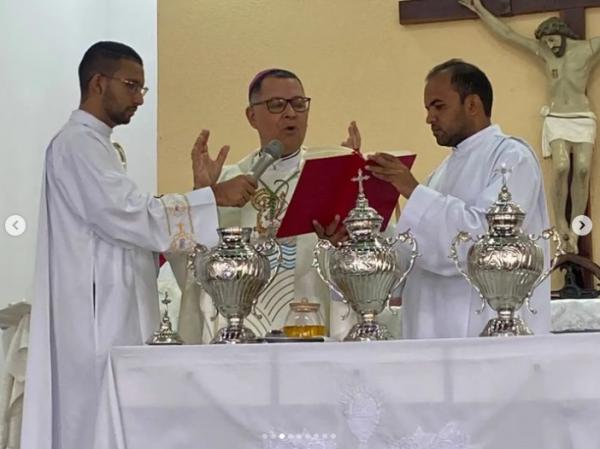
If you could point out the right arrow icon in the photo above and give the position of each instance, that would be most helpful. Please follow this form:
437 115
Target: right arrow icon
582 225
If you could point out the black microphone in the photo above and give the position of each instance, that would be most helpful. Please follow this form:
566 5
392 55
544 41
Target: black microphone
269 154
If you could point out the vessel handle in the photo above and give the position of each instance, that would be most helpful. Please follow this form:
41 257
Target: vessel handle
547 234
265 249
403 237
464 237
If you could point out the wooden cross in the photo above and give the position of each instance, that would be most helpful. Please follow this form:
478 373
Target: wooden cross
427 11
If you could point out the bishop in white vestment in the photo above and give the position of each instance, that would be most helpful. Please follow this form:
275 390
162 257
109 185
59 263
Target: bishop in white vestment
278 110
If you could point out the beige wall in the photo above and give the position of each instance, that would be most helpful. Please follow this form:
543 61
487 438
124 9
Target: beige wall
356 62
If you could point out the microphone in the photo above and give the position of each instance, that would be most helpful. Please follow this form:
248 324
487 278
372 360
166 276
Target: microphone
269 154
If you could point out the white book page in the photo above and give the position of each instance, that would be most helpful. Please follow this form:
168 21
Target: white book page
334 151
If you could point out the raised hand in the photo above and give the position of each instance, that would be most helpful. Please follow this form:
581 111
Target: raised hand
206 170
354 140
234 192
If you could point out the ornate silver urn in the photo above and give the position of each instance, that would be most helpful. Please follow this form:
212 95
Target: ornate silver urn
234 274
365 269
505 266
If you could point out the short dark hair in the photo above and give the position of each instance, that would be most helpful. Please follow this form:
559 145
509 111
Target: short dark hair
467 79
256 83
104 57
555 26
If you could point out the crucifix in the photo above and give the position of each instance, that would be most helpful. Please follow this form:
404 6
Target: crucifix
427 11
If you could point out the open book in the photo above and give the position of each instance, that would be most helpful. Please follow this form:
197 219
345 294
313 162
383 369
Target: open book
326 189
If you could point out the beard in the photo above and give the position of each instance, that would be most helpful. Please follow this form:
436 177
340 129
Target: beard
451 139
445 140
559 52
457 128
119 115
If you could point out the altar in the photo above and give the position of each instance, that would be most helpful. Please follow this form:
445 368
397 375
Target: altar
492 393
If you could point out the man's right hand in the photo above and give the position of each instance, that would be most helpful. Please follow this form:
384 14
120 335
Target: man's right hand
390 169
234 192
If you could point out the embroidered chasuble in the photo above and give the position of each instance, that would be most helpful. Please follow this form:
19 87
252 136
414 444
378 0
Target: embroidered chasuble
296 278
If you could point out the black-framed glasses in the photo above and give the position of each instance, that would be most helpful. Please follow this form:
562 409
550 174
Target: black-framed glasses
276 105
132 87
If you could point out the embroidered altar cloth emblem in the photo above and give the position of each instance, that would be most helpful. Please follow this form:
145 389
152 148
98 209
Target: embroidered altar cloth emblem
362 410
450 437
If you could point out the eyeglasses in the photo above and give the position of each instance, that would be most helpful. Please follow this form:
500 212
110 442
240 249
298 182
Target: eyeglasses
277 105
132 87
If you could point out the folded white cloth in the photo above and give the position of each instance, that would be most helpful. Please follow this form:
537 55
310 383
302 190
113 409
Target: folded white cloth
12 379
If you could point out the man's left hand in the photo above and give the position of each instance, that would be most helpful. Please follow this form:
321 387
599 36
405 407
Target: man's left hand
334 232
206 170
390 169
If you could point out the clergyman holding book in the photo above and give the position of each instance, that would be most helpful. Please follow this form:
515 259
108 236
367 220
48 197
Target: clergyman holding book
278 109
437 302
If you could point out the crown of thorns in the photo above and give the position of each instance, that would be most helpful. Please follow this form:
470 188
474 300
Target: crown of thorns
555 26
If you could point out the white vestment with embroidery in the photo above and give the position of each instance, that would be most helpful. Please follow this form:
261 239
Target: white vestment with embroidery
296 279
95 279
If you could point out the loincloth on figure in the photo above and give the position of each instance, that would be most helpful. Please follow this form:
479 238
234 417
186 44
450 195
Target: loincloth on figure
576 127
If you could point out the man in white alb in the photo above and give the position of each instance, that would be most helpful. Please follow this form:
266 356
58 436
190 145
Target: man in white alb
95 279
437 301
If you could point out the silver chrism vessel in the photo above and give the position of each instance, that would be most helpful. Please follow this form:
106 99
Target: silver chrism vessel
234 274
365 269
505 265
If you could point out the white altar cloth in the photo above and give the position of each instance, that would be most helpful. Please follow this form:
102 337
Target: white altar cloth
575 315
492 393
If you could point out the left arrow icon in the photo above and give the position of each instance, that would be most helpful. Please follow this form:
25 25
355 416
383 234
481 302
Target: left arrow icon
15 225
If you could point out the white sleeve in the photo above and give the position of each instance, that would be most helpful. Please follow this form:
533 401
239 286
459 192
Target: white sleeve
435 219
83 171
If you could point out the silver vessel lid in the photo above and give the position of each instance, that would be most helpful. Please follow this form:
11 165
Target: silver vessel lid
505 217
363 221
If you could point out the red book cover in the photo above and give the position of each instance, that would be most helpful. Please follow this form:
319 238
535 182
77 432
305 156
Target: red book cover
325 189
